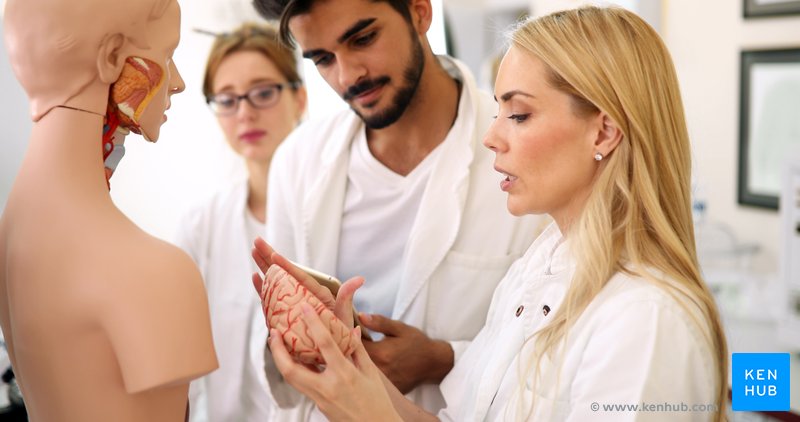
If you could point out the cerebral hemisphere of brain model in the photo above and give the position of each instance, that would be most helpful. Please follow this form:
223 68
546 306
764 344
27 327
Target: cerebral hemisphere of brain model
282 298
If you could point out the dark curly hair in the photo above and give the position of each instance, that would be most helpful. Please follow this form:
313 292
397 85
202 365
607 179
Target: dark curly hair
283 10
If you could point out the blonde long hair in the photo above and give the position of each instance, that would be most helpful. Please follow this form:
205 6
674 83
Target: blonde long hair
638 217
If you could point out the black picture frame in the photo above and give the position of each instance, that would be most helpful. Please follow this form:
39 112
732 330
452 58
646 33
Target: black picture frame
769 122
756 8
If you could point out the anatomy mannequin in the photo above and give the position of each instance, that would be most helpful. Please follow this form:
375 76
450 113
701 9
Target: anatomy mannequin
103 321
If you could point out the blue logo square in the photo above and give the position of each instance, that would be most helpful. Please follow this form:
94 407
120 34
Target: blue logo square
761 381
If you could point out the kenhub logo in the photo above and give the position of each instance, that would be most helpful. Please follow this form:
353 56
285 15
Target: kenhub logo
761 381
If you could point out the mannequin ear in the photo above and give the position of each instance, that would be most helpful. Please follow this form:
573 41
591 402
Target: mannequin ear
608 136
421 15
110 59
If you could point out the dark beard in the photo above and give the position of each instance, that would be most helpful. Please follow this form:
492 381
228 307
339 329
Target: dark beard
411 76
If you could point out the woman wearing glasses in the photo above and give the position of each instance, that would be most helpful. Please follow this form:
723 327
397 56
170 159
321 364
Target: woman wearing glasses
253 87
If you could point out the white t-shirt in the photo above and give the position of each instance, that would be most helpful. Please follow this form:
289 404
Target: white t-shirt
254 385
379 210
254 227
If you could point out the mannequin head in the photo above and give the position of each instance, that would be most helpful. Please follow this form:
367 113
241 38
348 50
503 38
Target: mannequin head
153 74
65 52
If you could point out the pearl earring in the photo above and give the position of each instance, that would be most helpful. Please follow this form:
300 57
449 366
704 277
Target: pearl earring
598 157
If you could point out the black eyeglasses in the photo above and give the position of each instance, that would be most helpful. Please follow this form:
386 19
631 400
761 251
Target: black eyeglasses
260 97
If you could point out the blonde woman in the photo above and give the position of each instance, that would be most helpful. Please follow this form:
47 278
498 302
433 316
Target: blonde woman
607 307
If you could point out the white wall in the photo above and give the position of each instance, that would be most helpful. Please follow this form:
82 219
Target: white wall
477 29
705 38
15 126
156 183
649 10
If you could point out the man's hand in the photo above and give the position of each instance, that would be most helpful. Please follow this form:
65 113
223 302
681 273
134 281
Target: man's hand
406 355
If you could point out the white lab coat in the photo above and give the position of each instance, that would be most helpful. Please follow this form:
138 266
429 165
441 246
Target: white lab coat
634 344
215 236
462 242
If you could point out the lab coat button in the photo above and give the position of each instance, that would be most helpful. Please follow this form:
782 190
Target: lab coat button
519 310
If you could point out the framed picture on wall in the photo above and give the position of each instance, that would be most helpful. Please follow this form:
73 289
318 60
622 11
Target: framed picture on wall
756 8
769 123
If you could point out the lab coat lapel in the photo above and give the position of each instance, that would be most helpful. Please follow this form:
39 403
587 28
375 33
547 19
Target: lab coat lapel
438 219
323 203
237 241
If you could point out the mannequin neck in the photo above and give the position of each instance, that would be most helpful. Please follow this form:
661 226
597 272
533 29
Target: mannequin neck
66 145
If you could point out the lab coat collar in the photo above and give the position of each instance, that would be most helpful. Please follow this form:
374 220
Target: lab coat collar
439 217
325 199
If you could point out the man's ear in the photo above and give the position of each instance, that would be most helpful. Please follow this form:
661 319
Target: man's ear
421 15
609 135
110 58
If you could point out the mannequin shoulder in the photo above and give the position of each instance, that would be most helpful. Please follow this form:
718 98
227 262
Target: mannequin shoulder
149 261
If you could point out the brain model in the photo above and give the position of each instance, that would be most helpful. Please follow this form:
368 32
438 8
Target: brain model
282 298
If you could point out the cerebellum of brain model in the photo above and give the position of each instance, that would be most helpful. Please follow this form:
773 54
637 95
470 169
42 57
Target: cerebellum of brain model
282 298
